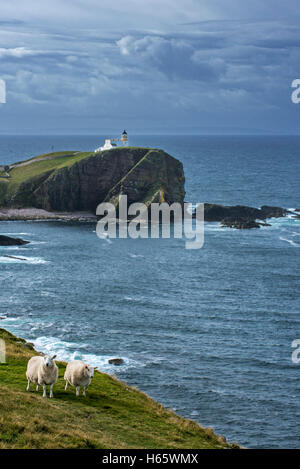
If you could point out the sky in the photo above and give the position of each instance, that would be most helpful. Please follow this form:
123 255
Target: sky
150 66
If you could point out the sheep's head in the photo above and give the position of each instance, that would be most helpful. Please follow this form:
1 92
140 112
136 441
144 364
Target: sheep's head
49 361
89 370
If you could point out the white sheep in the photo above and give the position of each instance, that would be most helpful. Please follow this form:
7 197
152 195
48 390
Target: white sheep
79 374
42 371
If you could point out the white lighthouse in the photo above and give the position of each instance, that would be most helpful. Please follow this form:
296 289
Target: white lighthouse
109 143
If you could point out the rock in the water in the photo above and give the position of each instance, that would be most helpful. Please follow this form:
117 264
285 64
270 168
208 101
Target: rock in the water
241 216
273 212
7 241
215 212
116 361
240 224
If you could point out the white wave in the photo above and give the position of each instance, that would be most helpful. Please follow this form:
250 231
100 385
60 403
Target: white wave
135 298
67 351
22 259
14 248
48 293
296 245
17 234
6 319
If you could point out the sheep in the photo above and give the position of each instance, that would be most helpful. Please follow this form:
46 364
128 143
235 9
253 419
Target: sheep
78 374
42 371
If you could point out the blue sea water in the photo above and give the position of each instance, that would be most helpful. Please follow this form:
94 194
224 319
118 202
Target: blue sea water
207 332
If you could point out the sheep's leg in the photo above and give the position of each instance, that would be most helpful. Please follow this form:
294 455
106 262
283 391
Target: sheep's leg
51 390
37 387
28 385
44 390
77 390
83 392
66 386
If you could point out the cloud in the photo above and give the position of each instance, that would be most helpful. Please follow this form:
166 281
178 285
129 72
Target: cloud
17 52
157 61
174 57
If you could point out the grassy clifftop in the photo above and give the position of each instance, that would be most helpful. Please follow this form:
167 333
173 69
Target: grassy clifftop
33 170
72 181
113 415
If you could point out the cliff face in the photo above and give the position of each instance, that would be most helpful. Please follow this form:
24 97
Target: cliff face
145 175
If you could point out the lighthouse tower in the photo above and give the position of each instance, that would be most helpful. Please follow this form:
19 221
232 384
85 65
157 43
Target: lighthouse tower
124 138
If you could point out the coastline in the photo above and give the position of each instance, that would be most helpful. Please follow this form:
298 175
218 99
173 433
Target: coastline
117 413
36 214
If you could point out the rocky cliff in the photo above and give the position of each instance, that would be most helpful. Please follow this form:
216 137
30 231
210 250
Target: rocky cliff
80 181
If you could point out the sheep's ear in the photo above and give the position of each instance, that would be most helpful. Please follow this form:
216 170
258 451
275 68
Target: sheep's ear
54 356
95 367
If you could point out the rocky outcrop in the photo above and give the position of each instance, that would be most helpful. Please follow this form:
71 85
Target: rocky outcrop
7 241
116 361
141 173
242 216
215 212
240 224
273 212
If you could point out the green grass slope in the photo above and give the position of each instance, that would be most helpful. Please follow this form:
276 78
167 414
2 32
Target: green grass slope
113 415
35 168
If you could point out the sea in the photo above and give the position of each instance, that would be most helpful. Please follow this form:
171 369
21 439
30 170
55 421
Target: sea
206 332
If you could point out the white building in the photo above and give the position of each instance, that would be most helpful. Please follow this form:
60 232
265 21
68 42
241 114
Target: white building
109 142
108 145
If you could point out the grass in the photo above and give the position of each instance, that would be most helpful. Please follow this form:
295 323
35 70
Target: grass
47 155
37 168
112 415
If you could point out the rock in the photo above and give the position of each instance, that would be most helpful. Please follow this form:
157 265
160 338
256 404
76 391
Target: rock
215 212
240 224
14 257
242 216
143 174
28 345
273 212
116 361
7 241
